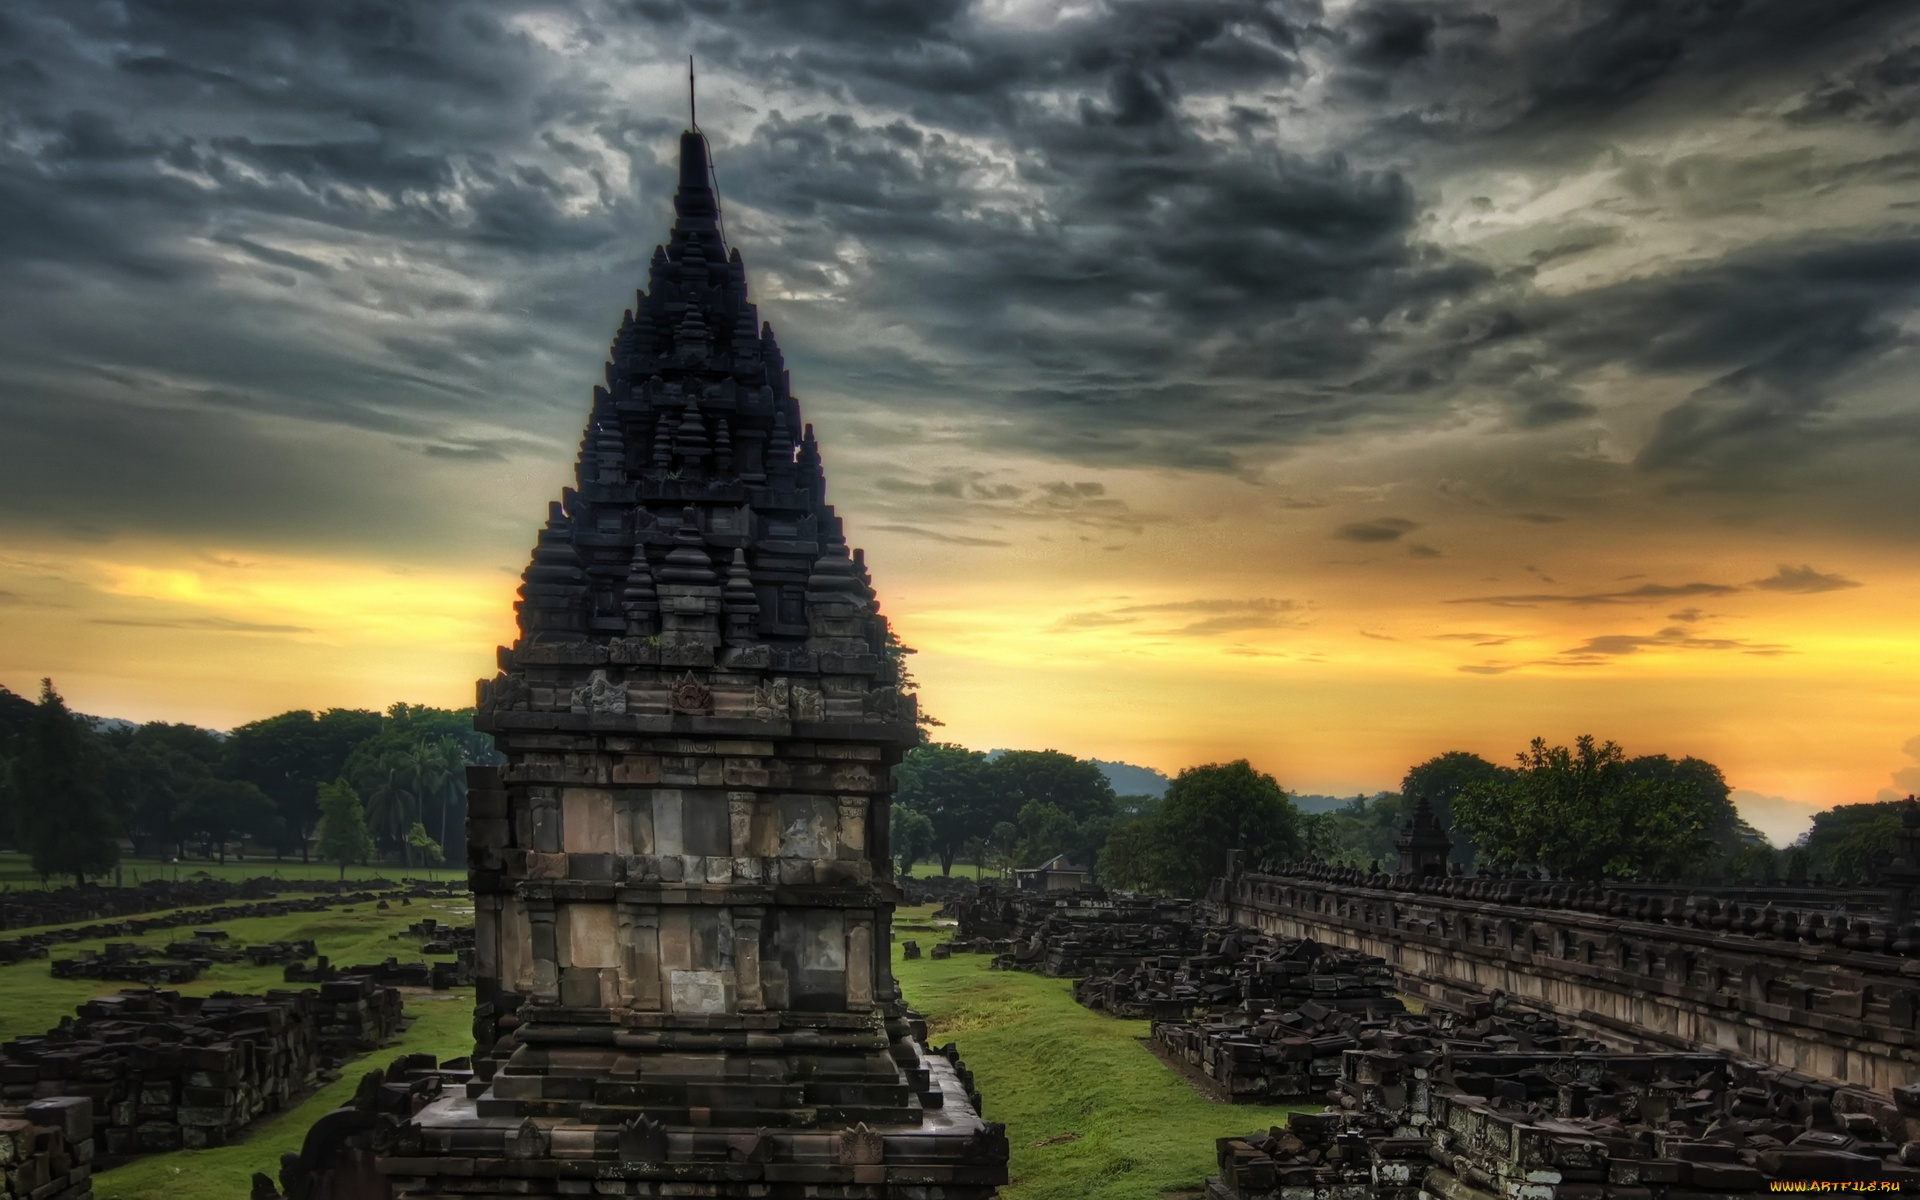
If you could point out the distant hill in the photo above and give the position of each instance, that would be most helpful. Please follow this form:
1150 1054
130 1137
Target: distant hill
1320 804
1129 780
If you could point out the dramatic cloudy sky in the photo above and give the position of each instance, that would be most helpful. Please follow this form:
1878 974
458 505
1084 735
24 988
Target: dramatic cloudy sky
1332 384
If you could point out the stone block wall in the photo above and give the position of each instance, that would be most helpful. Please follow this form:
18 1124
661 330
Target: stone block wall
1699 978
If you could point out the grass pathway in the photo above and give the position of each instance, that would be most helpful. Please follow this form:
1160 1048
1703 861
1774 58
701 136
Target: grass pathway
1049 1068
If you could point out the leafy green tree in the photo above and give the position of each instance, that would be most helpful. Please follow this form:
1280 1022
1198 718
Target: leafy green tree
421 723
1846 840
1059 804
62 816
149 773
1359 832
948 784
912 836
1211 810
342 833
421 843
221 809
1587 812
386 778
1074 786
1866 847
438 769
996 849
1130 859
290 755
1437 781
16 715
1047 830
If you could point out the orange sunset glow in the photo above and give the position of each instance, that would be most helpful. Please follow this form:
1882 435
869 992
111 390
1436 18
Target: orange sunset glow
1194 398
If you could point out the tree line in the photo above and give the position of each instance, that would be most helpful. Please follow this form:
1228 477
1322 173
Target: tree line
1586 811
347 785
71 788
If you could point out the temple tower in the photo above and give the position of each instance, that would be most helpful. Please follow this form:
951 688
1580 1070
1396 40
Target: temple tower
1423 844
681 874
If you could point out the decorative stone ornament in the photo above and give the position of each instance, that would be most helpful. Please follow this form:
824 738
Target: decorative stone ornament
690 695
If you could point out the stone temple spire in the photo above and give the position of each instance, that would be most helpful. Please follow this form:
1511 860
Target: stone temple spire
682 880
696 229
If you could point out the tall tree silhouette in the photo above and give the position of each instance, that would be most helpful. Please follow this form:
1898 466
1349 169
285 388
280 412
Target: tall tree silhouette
61 810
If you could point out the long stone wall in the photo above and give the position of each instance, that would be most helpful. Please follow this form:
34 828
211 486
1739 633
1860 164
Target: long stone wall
1654 978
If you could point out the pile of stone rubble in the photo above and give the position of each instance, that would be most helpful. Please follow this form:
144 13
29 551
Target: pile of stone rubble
1503 1106
161 1071
47 1149
1236 970
1071 934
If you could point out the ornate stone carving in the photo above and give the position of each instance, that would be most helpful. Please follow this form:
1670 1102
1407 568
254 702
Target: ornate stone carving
526 1142
643 1141
771 700
508 693
859 1146
689 695
600 695
885 703
808 704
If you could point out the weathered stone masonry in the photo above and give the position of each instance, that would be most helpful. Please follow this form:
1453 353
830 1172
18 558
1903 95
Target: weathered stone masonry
1838 1003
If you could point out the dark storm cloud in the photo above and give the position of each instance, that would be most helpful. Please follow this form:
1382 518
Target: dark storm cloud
1442 69
1130 288
1645 592
1216 616
1884 91
1805 580
1801 580
953 539
1672 638
974 496
1385 529
410 225
209 624
1777 331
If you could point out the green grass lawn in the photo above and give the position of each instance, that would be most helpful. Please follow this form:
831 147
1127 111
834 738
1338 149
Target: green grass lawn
32 1001
17 872
961 870
1048 1068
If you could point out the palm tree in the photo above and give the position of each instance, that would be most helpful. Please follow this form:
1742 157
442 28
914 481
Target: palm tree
452 775
391 799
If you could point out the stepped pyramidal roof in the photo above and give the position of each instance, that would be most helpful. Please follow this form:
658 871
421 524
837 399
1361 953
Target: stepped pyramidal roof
698 534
